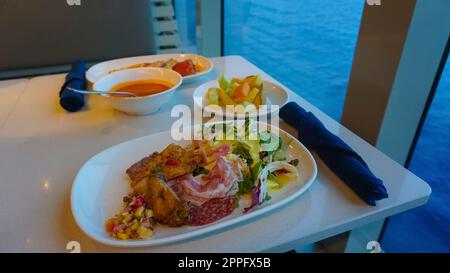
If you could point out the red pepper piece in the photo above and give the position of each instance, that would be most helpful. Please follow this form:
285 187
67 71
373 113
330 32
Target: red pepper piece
171 162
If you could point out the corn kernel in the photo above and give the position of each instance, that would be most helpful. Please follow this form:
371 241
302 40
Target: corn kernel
148 213
122 236
144 232
126 218
138 213
134 225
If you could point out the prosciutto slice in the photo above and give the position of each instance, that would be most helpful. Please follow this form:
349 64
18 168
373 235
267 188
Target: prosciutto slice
219 183
208 153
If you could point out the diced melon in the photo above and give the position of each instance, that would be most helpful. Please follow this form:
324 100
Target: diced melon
249 80
236 81
258 99
223 82
252 95
213 96
239 100
246 103
224 98
257 82
242 91
232 87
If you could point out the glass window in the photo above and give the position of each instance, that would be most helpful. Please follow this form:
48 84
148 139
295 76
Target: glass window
185 14
431 160
307 45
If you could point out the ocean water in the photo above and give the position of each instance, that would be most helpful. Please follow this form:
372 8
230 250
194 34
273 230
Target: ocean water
308 45
427 228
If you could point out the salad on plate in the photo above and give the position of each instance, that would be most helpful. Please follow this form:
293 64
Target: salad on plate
202 182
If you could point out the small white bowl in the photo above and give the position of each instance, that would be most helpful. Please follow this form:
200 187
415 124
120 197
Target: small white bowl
275 95
139 105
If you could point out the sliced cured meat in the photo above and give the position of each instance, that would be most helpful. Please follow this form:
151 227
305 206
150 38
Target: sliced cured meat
216 184
211 211
175 185
221 150
209 154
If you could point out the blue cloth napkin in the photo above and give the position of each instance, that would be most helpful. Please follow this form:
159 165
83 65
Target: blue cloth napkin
76 78
335 153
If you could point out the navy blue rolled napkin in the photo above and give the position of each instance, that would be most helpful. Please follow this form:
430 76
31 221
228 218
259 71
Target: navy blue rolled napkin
335 153
76 78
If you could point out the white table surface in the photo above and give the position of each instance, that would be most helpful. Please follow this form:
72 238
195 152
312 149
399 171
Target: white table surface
42 148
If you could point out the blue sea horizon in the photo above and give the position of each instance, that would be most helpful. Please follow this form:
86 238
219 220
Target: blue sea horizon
308 45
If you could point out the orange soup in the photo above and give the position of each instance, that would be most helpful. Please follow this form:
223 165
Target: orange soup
141 88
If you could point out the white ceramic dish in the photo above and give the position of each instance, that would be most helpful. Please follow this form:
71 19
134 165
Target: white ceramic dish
275 95
102 69
139 105
101 184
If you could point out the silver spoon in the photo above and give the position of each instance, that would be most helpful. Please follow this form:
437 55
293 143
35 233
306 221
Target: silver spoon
101 92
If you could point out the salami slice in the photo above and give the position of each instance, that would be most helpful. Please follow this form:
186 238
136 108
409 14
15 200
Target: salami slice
211 211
